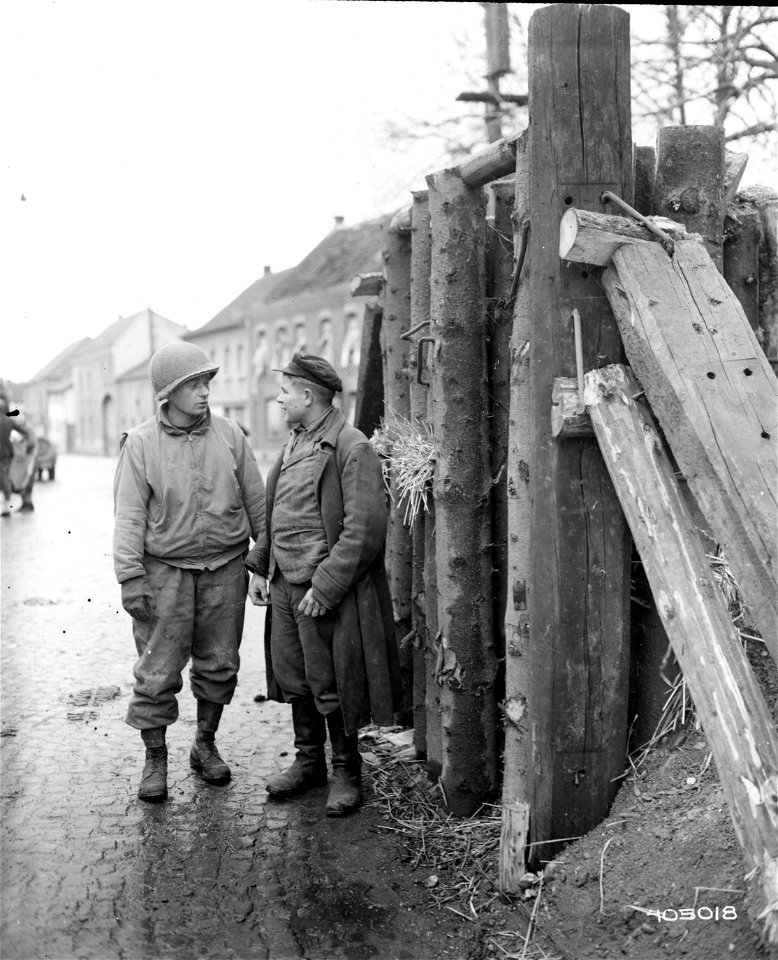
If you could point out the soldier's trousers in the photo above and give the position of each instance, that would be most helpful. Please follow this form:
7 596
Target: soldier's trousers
199 616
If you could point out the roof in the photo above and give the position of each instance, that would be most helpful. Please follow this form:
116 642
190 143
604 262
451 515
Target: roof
341 255
108 337
60 367
245 305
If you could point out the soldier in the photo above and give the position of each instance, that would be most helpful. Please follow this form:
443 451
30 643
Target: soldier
331 651
10 422
188 495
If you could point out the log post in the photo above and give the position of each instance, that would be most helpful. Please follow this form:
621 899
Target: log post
396 322
500 317
580 145
729 703
689 184
644 167
426 729
467 665
516 750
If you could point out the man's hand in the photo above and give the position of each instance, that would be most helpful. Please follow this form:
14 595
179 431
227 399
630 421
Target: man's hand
138 599
258 590
310 606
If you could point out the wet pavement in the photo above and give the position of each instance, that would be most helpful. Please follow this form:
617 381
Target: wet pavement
88 870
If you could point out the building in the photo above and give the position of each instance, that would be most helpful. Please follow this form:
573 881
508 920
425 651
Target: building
49 398
312 310
227 341
107 392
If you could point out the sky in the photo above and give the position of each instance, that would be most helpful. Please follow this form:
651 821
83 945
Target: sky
161 153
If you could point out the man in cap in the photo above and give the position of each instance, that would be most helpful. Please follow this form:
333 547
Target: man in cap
330 650
188 496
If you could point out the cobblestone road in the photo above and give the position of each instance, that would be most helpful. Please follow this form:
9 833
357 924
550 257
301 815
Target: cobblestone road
89 871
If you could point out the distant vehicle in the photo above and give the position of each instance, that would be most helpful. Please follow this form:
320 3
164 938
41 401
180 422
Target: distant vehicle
45 458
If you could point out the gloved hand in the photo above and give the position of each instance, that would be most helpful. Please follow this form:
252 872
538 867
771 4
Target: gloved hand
138 599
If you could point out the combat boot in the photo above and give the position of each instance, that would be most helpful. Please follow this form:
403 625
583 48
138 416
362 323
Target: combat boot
346 786
204 757
309 768
153 782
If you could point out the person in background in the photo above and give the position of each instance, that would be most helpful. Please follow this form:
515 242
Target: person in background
188 496
13 421
331 651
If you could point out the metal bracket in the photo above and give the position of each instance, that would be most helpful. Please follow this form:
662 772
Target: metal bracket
420 359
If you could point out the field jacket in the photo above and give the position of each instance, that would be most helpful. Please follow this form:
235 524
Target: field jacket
189 499
351 580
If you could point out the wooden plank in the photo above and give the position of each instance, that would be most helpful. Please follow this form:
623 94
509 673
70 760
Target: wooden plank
467 665
694 612
369 405
578 593
715 396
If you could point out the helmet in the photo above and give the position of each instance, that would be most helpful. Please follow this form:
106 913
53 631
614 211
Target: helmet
173 364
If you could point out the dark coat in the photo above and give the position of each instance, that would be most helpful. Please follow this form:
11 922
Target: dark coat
351 579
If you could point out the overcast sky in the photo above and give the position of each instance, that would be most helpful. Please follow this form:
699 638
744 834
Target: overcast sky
167 150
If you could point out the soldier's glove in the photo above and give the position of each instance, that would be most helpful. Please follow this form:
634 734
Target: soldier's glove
137 599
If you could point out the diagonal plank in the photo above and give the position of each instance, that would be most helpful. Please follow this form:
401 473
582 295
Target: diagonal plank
716 400
729 703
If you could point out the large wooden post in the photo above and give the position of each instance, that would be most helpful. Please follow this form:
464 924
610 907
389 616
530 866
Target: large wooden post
369 407
516 754
396 322
423 658
580 145
467 664
689 184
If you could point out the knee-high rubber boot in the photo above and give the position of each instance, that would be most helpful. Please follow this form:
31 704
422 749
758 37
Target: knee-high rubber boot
153 781
204 757
309 768
346 787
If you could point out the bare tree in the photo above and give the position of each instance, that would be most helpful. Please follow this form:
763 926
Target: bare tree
711 64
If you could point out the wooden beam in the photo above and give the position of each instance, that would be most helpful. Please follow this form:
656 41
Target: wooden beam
497 160
741 257
467 666
694 612
580 145
716 398
593 238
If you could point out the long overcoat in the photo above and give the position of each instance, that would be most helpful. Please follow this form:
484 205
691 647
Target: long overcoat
347 479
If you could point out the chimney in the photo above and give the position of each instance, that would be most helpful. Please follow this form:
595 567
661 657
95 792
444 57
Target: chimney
339 221
266 271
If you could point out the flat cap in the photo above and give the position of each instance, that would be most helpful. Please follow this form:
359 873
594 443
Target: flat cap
316 369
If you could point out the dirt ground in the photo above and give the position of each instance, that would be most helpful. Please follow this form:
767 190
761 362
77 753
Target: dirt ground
425 886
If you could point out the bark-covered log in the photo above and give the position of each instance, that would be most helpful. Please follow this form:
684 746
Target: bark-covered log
495 161
467 664
516 750
729 703
500 314
715 396
689 184
588 237
580 145
396 321
426 728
